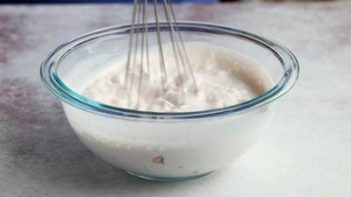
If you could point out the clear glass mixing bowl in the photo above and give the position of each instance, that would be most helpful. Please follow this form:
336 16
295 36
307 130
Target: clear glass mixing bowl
165 146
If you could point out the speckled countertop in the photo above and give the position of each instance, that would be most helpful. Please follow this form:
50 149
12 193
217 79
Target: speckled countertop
307 151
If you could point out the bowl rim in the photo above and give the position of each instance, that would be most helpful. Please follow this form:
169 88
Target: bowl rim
55 85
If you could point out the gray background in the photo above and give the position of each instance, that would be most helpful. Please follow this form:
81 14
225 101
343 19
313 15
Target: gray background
306 152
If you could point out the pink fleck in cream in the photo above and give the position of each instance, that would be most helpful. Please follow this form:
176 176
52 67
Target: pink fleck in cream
158 160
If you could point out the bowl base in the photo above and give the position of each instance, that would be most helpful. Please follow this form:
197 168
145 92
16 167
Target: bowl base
166 179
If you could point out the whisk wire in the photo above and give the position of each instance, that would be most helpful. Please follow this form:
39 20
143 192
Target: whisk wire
130 51
146 29
159 42
143 43
181 42
177 53
139 30
131 41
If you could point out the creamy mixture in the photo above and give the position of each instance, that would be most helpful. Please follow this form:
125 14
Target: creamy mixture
167 148
222 78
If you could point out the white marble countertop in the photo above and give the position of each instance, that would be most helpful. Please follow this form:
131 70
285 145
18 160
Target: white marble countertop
307 151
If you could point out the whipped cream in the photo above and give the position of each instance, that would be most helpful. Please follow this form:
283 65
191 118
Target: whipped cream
222 78
170 148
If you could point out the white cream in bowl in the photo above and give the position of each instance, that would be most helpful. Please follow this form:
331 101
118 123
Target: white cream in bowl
223 78
172 148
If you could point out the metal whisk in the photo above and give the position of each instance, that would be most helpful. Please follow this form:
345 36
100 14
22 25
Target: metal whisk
139 46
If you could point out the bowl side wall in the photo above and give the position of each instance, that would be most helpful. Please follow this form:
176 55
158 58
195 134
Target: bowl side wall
168 148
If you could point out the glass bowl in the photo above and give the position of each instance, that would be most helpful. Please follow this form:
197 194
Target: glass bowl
158 145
